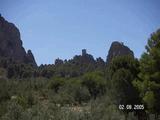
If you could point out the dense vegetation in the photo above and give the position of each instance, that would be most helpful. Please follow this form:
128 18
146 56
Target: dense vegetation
83 88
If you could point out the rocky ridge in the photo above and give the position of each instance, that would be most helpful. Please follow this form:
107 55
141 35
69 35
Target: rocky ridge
11 45
118 49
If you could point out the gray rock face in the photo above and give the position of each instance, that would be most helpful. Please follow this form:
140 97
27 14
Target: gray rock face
118 49
29 58
11 43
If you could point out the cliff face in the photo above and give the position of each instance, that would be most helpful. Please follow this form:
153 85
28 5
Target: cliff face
11 43
29 58
118 49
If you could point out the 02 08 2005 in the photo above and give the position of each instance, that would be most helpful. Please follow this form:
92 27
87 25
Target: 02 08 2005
138 107
131 107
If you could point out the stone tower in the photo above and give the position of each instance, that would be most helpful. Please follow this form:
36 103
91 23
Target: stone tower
84 52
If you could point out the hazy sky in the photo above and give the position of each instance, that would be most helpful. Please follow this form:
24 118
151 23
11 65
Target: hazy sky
61 28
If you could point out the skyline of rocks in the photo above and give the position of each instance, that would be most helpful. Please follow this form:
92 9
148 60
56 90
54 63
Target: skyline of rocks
11 45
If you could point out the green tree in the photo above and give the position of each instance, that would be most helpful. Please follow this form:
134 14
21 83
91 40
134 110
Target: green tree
121 73
149 77
78 92
56 83
95 83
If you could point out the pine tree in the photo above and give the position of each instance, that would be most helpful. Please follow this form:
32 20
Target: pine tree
148 82
121 73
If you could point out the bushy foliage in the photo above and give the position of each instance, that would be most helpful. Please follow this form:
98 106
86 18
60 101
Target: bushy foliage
148 82
4 90
95 83
82 88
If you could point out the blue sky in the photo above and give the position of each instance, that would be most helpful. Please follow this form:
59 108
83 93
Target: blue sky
61 28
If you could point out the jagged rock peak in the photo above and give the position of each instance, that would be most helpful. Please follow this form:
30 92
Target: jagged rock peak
1 18
30 58
118 49
11 45
58 61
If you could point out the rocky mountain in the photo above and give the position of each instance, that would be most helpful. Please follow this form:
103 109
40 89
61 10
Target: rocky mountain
118 49
11 45
29 58
76 66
